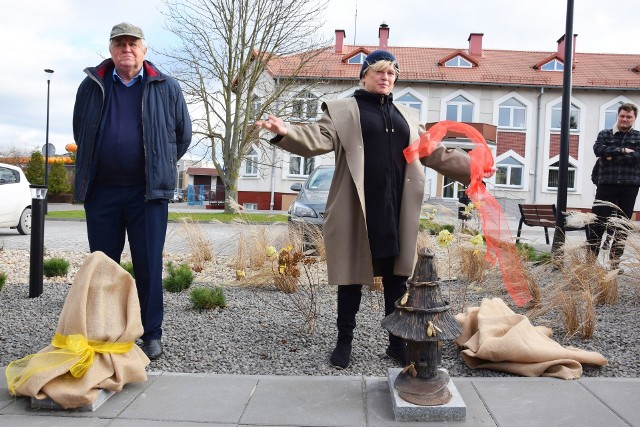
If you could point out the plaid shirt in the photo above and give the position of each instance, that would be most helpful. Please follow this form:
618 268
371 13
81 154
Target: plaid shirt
616 167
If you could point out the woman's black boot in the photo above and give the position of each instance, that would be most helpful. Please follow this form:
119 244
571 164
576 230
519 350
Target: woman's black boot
348 304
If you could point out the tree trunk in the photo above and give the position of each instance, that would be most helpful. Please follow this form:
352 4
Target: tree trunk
231 199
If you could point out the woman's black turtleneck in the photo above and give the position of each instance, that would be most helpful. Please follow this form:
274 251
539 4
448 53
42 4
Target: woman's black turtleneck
385 134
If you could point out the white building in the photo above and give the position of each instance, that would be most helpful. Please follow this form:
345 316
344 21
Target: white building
513 97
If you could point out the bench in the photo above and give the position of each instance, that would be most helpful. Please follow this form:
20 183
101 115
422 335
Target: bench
533 215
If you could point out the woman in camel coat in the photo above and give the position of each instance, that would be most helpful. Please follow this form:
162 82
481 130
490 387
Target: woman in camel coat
373 208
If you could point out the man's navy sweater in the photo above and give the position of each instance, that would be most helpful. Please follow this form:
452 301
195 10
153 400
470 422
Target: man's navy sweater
121 157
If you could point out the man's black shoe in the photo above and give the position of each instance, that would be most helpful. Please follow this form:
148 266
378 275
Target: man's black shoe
152 348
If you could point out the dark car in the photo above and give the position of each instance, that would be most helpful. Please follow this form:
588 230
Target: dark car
308 208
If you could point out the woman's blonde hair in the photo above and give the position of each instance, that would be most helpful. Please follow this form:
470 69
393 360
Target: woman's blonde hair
381 65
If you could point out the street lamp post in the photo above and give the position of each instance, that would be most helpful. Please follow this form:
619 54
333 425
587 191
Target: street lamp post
36 253
49 73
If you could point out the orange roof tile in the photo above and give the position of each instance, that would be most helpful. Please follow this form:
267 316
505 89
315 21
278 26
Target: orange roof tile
505 67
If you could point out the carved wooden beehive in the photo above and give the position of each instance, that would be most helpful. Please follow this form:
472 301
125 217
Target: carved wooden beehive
422 318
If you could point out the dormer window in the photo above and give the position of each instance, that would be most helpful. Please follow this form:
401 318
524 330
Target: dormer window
458 62
356 59
553 65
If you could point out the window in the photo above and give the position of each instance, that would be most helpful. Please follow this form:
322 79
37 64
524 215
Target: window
305 106
509 172
512 114
554 176
556 117
553 65
458 62
8 176
300 166
460 109
255 108
251 163
250 206
356 59
411 101
611 115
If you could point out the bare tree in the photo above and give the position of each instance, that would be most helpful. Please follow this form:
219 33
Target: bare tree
227 60
16 155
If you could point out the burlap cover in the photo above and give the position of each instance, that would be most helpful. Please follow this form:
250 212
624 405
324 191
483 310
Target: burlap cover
102 305
494 337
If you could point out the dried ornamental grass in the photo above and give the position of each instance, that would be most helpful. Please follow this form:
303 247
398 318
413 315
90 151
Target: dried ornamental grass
259 240
199 244
607 288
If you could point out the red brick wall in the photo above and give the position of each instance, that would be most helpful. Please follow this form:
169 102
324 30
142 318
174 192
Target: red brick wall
554 146
262 198
511 141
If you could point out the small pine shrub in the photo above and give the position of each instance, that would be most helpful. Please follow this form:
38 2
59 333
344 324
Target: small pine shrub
434 228
530 254
128 266
206 298
53 267
178 279
3 280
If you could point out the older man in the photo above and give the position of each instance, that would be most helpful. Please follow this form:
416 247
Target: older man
131 125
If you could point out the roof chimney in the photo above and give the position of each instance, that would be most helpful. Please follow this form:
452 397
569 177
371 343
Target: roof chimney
560 52
475 44
383 35
340 35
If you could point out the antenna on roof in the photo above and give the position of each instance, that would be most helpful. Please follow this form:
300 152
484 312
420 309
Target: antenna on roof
355 24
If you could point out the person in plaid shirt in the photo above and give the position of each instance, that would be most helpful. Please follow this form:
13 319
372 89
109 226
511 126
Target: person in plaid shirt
618 179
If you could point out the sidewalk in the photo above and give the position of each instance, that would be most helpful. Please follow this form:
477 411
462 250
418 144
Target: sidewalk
167 399
170 399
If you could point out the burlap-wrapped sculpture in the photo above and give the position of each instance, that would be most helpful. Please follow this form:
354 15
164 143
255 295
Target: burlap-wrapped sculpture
93 347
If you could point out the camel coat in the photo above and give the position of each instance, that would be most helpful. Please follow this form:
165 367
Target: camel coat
345 226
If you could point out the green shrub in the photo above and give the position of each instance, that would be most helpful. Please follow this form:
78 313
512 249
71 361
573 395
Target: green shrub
58 180
34 171
206 298
55 267
3 280
530 254
128 266
178 279
435 227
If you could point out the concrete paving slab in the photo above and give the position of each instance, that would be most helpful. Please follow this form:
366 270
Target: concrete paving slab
156 423
308 401
5 397
380 408
543 402
622 395
50 421
110 409
193 398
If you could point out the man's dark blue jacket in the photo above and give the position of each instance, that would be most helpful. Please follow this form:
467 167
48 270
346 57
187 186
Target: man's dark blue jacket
166 128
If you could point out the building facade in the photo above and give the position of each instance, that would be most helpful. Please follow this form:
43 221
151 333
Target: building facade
517 92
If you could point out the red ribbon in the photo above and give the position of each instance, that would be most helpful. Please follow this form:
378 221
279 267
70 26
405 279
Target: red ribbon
497 236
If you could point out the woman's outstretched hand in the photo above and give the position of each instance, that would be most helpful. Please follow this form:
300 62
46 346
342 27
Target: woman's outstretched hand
273 124
489 173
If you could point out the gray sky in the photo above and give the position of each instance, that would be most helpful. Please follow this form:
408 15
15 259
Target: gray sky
69 35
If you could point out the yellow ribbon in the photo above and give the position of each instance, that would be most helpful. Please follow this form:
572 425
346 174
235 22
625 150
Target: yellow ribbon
70 347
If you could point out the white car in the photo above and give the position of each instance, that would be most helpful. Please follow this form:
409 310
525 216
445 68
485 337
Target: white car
15 199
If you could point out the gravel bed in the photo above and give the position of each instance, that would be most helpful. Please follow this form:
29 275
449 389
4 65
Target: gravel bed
259 333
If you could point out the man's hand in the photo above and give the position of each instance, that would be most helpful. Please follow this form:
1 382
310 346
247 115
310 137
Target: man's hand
273 124
627 150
